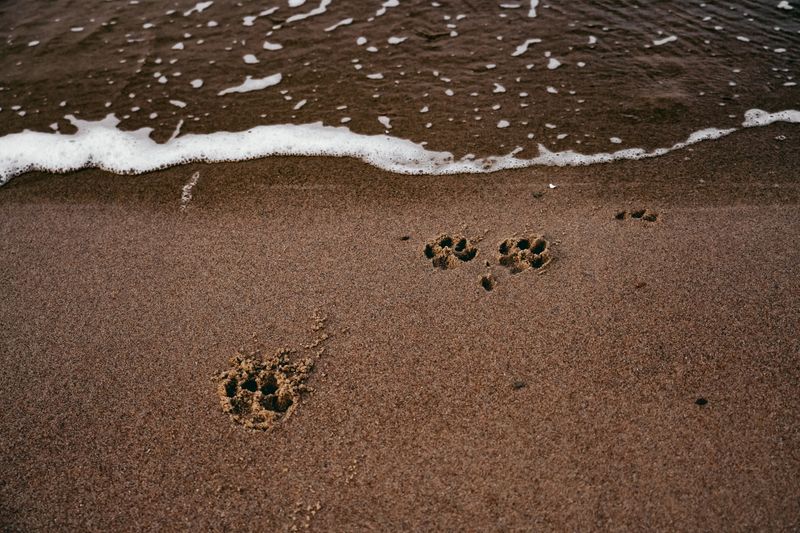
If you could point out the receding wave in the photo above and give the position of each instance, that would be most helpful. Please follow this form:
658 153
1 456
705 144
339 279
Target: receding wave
101 144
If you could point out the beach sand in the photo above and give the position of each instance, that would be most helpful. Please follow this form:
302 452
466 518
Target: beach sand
566 398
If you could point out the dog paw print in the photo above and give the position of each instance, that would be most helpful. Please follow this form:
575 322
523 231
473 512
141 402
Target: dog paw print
639 214
522 254
259 391
448 251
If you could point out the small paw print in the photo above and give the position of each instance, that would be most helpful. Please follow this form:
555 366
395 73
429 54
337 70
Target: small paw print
446 251
522 254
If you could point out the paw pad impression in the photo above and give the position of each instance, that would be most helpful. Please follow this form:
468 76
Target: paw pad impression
446 251
259 391
521 254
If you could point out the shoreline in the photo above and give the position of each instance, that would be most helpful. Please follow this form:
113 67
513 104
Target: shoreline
134 152
560 399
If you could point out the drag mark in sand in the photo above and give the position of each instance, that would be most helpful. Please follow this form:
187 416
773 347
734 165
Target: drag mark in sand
186 192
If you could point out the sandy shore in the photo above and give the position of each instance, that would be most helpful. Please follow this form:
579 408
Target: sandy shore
565 398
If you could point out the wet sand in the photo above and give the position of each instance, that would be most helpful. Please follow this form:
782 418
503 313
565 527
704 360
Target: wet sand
562 399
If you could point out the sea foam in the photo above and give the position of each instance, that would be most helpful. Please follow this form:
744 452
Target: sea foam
101 144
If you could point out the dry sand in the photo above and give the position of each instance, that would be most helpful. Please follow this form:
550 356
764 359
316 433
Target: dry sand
563 399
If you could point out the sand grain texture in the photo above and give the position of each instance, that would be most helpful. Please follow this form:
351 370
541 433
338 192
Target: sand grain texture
559 401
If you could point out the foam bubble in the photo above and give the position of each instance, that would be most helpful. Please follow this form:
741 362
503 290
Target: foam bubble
553 63
186 191
199 7
665 40
253 84
344 22
387 4
323 6
521 49
758 117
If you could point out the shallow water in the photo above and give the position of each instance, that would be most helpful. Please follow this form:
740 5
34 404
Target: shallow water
483 78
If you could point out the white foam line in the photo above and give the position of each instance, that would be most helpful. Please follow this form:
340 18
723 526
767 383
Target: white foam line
757 117
100 144
253 84
532 11
344 22
323 6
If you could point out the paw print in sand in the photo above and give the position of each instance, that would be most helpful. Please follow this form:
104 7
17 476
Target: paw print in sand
259 391
519 255
446 251
639 214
